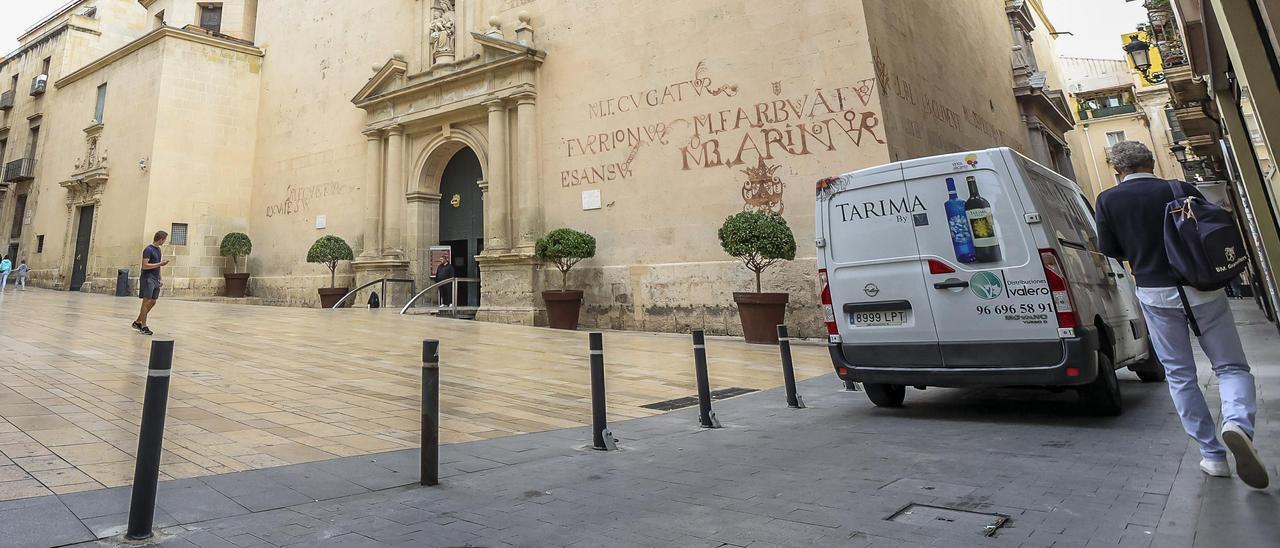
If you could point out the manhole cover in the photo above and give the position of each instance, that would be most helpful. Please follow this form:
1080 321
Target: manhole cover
690 401
950 519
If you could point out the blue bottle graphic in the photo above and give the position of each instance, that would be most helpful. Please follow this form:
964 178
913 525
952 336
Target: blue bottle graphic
958 221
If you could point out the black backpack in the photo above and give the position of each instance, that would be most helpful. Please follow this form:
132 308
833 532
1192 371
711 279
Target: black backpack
1203 243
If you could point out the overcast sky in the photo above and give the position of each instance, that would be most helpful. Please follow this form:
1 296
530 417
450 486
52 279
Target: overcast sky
1097 24
17 15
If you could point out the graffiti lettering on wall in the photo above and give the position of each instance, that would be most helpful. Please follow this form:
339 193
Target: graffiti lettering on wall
675 92
903 89
298 199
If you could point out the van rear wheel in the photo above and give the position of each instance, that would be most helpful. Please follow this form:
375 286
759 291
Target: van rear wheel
1102 396
1150 370
885 395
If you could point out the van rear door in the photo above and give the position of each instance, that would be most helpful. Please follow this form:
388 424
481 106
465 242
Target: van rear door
986 285
873 269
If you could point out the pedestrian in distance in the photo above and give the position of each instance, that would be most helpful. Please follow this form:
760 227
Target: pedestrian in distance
150 282
444 271
6 266
1131 219
21 273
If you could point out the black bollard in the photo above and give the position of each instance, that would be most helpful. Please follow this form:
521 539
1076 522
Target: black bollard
706 417
794 400
430 473
146 472
601 437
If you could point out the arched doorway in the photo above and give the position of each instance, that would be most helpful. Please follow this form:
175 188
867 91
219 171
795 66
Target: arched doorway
462 219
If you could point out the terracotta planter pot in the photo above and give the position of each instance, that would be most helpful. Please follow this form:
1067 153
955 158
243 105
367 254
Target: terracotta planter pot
760 314
236 283
329 296
562 308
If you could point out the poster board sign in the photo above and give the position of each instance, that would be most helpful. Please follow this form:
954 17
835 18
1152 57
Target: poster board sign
438 252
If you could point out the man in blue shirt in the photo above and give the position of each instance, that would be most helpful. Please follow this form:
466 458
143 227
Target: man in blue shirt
1131 227
149 282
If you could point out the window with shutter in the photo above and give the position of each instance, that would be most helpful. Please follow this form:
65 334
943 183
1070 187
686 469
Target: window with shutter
211 17
178 234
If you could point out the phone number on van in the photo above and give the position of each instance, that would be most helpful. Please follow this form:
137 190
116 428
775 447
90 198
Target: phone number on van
1015 309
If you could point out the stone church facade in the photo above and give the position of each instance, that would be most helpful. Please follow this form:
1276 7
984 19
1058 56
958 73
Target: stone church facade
400 125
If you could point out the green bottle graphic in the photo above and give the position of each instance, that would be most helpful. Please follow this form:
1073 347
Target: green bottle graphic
982 224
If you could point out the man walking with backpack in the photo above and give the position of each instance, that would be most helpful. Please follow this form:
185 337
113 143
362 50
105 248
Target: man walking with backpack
1132 226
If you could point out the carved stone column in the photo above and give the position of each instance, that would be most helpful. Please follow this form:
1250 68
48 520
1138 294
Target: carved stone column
529 189
372 187
393 227
497 215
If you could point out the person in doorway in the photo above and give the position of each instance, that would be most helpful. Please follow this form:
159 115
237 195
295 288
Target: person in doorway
5 266
1131 227
149 282
21 273
444 271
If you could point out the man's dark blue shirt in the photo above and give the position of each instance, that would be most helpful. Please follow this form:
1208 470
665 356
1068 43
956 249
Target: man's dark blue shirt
1131 227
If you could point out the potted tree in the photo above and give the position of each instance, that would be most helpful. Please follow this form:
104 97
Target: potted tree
328 250
236 245
565 247
759 240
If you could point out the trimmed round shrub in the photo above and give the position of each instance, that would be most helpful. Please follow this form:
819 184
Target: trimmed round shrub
235 245
328 250
565 247
759 240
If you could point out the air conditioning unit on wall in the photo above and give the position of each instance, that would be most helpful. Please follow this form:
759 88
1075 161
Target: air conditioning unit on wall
38 84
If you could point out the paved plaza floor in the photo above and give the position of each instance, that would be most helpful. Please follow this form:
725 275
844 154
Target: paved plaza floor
256 387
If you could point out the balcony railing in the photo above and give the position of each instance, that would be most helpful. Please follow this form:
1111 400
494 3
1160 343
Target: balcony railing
1107 111
1164 33
6 100
22 169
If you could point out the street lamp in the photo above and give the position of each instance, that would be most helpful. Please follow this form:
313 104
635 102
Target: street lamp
1179 153
1140 54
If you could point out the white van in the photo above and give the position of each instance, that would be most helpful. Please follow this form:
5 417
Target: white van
977 268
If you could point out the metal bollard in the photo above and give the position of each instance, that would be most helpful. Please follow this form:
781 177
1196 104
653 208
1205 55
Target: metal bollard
706 417
146 472
430 473
601 437
794 400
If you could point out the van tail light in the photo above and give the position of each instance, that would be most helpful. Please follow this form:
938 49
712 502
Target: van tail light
828 310
1061 292
939 267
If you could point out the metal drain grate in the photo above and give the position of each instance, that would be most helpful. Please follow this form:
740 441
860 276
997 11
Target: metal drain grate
950 519
690 401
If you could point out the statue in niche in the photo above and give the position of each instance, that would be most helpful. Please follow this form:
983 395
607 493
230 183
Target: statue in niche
442 31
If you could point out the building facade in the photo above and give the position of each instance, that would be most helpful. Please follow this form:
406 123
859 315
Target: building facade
478 125
1220 64
1112 103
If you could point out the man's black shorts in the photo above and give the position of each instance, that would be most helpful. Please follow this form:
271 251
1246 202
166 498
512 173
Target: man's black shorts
149 288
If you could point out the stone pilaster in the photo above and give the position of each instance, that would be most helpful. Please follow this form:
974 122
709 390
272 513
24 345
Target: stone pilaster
421 232
393 227
528 191
372 195
497 215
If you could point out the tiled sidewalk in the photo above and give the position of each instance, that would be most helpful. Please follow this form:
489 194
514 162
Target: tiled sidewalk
256 387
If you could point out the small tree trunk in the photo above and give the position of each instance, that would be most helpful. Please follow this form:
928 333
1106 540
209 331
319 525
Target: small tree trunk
333 276
564 279
757 281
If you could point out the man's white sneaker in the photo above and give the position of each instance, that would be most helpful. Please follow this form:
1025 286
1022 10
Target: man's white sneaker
1215 468
1248 465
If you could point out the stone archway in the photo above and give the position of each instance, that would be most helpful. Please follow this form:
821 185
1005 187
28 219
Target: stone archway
424 199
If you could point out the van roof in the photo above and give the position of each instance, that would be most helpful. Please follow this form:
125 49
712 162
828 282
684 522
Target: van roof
927 160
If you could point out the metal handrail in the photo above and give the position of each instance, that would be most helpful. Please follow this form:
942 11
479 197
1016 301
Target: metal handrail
453 307
382 281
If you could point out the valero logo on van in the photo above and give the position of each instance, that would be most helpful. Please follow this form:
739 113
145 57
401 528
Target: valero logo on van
986 285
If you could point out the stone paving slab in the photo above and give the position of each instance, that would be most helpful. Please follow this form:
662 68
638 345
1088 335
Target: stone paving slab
258 387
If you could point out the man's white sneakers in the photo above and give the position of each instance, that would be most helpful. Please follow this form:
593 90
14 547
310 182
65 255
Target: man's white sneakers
1215 468
1248 466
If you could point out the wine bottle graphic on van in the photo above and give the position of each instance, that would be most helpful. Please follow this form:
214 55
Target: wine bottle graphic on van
958 222
982 224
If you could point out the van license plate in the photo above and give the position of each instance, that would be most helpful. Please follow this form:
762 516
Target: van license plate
880 318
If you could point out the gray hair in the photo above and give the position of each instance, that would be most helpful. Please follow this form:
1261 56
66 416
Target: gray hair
1129 155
